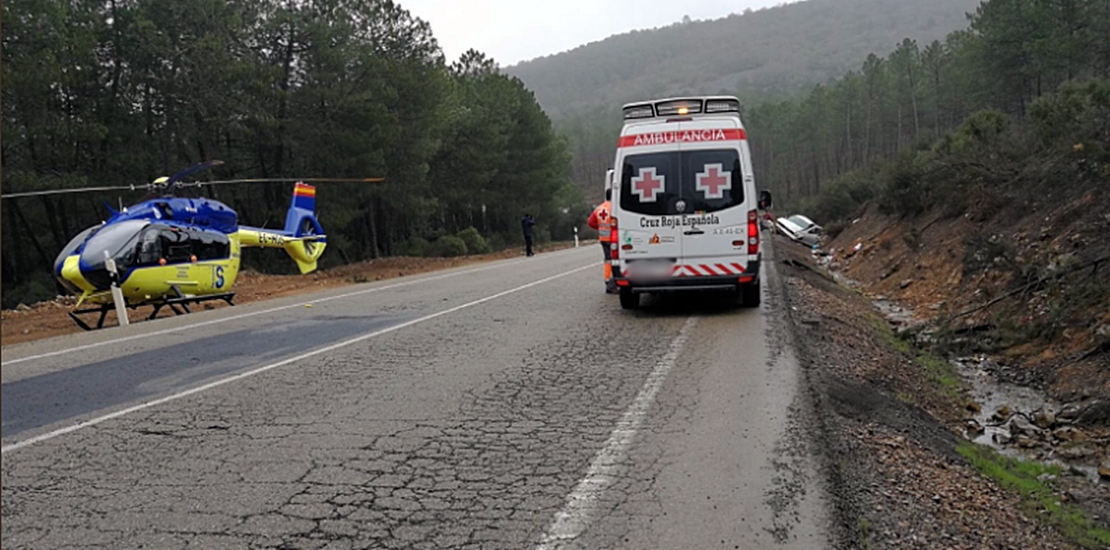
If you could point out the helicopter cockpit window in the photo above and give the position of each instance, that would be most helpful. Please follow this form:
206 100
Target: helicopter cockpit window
210 246
149 249
176 246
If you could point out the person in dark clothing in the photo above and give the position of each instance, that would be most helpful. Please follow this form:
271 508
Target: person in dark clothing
527 223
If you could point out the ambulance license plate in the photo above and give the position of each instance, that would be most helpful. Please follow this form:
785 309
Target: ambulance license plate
649 271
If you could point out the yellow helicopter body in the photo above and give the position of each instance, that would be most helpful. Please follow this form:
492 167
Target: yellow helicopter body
173 251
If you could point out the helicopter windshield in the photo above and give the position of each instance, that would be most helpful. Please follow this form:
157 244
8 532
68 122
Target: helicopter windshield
72 247
117 240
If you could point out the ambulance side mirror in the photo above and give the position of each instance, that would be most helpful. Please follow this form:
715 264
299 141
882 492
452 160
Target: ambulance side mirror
765 200
609 179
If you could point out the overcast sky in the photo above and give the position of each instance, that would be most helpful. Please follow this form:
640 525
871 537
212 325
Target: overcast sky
511 31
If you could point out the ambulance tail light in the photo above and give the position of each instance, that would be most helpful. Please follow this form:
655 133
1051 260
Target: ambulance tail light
753 233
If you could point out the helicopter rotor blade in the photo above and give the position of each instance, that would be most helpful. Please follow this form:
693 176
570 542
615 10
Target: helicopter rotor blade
75 190
279 180
173 182
192 170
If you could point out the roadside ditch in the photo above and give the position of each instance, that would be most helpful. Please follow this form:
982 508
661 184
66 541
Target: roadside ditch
926 452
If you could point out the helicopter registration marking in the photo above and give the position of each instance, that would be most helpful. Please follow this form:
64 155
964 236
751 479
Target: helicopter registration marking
264 238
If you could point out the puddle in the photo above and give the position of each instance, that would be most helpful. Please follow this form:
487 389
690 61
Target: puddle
992 394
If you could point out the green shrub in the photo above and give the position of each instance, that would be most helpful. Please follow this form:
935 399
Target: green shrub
906 190
475 243
1076 118
841 199
414 246
448 246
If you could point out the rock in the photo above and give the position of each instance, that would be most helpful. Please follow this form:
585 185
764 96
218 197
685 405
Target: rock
1095 414
1104 469
973 407
1044 418
1078 452
1002 438
1026 442
1070 434
1069 413
1002 414
23 307
974 429
905 284
1103 331
1019 425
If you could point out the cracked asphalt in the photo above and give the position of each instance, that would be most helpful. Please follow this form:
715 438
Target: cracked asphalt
461 409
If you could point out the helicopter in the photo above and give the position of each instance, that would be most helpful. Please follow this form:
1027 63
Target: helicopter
169 252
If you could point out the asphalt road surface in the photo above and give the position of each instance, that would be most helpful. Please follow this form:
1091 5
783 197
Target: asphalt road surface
509 405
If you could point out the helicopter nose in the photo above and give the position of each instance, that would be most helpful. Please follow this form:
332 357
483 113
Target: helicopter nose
71 274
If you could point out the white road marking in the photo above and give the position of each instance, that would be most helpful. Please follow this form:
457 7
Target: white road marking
259 370
262 312
573 519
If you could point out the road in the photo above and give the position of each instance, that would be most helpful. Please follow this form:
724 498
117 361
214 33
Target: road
510 405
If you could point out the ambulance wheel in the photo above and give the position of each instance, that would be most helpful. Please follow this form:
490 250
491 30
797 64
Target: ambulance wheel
750 295
629 299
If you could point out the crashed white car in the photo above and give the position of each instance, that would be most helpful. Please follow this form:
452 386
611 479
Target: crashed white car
800 229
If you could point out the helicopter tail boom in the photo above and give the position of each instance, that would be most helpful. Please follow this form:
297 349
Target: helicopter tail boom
303 238
304 250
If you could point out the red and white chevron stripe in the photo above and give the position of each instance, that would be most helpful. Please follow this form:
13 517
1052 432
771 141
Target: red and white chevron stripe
700 270
708 270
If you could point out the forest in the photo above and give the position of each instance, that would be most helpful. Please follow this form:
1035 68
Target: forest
763 55
1026 79
119 92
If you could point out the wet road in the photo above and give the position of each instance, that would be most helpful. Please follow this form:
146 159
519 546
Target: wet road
512 405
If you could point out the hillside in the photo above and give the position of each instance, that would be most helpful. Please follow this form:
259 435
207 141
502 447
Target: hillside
756 54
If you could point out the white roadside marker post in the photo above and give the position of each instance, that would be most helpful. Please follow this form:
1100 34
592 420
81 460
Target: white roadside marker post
117 294
575 237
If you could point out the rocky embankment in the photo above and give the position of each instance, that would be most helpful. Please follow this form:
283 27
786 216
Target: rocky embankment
900 427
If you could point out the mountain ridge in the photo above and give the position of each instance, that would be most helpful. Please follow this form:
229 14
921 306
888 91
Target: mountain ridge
758 54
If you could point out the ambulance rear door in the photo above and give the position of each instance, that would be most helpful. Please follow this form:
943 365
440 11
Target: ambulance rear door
649 196
715 211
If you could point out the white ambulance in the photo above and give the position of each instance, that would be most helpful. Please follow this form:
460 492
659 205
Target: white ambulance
684 201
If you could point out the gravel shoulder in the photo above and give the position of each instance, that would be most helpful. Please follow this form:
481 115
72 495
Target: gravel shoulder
889 425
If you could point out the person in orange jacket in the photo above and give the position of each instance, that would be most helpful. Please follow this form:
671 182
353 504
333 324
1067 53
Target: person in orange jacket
601 220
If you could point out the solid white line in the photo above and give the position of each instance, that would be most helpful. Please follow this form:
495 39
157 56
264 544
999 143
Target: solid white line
261 312
573 519
259 370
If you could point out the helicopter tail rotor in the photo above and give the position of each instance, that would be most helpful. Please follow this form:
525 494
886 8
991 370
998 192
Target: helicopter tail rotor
308 240
302 237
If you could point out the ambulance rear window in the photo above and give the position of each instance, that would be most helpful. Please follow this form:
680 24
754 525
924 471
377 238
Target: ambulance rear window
658 184
650 183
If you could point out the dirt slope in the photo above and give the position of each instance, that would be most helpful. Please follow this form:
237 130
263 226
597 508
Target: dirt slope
1029 286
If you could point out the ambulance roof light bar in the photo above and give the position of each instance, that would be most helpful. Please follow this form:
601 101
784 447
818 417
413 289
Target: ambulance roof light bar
671 107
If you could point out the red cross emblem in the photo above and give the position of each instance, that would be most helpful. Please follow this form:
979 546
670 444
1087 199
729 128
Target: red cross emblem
648 185
714 181
603 214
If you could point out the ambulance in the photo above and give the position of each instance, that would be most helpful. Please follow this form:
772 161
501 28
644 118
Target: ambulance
684 201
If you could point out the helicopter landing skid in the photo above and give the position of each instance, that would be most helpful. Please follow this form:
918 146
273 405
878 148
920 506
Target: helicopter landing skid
179 305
